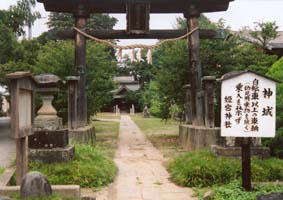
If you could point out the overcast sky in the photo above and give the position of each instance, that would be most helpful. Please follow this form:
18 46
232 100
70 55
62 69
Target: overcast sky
240 13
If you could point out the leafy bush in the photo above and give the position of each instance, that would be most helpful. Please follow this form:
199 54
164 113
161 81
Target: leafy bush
203 169
276 144
90 168
234 191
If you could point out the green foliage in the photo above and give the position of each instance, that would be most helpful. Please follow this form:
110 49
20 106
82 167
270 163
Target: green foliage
264 32
21 15
156 126
58 58
90 168
203 169
171 64
1 170
7 43
151 97
171 74
22 57
276 144
234 191
65 21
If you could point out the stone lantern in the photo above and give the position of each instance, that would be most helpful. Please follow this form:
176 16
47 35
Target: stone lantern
50 143
47 118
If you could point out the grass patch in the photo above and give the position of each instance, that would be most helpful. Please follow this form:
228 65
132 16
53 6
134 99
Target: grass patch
107 115
90 168
107 136
203 169
234 191
156 126
2 170
164 135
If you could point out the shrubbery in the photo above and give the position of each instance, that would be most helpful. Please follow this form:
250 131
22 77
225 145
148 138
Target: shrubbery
234 191
90 168
203 169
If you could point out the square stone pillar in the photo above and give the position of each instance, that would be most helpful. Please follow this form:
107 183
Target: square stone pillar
209 96
72 82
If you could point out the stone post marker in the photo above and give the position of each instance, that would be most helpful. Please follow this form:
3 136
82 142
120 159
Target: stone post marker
35 185
72 101
209 90
22 113
50 143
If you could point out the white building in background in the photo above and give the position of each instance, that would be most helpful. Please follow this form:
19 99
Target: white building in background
5 104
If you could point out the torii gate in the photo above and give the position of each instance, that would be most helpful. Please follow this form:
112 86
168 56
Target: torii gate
138 12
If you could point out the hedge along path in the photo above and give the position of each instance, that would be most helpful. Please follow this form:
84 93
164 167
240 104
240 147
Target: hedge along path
141 174
120 48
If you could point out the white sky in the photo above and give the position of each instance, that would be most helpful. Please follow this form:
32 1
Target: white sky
240 13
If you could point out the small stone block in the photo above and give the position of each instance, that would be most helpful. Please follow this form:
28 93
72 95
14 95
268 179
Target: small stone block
260 152
5 198
52 155
69 191
35 185
83 135
272 196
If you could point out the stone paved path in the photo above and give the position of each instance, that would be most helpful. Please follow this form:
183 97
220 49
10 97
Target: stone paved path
7 145
141 174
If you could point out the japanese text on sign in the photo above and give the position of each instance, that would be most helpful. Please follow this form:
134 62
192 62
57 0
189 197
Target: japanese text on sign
248 106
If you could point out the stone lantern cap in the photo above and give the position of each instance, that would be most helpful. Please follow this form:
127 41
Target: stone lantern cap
48 82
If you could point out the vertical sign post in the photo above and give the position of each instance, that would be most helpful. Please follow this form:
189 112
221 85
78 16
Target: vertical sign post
22 114
248 109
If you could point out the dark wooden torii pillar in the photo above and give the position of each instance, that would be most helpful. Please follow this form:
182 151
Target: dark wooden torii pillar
197 99
80 62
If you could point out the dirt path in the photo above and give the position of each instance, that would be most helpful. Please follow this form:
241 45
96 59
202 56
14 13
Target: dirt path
141 173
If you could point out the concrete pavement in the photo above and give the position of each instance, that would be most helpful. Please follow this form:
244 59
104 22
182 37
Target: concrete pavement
142 175
7 145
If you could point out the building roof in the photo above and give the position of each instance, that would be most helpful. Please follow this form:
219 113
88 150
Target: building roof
127 83
119 6
234 74
276 43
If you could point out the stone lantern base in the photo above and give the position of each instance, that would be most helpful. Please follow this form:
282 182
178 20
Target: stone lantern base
50 146
83 135
54 155
199 137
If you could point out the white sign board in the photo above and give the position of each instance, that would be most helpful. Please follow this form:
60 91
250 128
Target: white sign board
248 106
